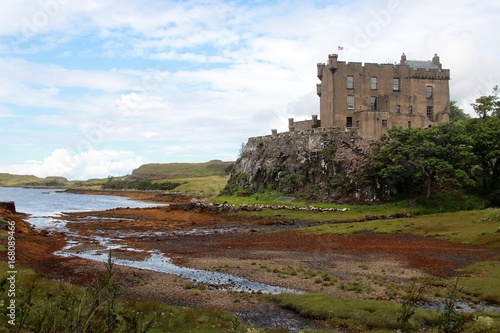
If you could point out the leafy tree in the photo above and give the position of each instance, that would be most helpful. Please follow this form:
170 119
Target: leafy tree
457 113
485 137
488 104
409 158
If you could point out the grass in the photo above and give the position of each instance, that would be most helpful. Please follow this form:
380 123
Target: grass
156 171
478 227
353 314
49 306
482 280
7 179
209 185
207 178
356 315
439 203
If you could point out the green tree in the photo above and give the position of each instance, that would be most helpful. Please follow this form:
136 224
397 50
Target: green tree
487 104
457 113
485 138
410 158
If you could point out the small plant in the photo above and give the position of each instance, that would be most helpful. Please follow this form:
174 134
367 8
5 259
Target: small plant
450 320
236 322
26 305
411 300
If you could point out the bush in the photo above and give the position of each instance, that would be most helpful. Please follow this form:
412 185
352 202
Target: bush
494 199
143 185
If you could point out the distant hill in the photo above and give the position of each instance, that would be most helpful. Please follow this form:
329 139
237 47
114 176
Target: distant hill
207 178
158 171
7 179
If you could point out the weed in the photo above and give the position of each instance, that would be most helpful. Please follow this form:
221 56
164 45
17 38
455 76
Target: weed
411 300
450 320
236 322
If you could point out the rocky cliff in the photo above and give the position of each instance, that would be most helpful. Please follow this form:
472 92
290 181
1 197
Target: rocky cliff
322 164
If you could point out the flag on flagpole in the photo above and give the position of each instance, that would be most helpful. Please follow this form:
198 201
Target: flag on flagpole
340 48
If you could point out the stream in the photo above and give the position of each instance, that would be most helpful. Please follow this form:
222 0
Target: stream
160 263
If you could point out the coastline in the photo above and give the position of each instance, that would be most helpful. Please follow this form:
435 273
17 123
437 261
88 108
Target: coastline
149 196
248 247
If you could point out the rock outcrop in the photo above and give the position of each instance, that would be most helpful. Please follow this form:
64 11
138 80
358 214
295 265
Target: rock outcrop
8 205
325 164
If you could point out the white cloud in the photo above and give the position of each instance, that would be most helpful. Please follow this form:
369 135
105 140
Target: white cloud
51 76
194 78
91 164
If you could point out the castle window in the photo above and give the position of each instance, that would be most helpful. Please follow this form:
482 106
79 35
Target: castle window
373 103
373 82
350 82
395 85
350 102
409 124
428 91
410 109
357 123
348 122
398 108
430 112
384 122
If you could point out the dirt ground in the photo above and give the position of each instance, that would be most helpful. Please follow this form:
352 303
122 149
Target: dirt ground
364 265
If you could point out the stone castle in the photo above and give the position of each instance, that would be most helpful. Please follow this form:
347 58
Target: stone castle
327 158
371 98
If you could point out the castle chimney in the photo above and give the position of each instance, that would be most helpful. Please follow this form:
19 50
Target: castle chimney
436 61
403 59
274 132
291 126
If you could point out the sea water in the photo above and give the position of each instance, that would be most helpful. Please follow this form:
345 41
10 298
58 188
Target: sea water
45 204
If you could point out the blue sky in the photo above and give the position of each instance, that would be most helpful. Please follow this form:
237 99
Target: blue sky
97 88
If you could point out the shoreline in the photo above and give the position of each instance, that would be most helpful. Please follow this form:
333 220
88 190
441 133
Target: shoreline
336 265
149 196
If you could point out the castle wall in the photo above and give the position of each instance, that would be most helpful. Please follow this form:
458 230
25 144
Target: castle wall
304 125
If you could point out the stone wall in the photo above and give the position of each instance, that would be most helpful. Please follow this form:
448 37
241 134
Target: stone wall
328 164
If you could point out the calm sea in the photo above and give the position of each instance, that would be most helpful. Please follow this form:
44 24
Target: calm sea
43 204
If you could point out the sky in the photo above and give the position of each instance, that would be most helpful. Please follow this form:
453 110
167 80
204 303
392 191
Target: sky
96 88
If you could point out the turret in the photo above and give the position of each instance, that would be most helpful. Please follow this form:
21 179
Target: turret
321 67
332 62
403 59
